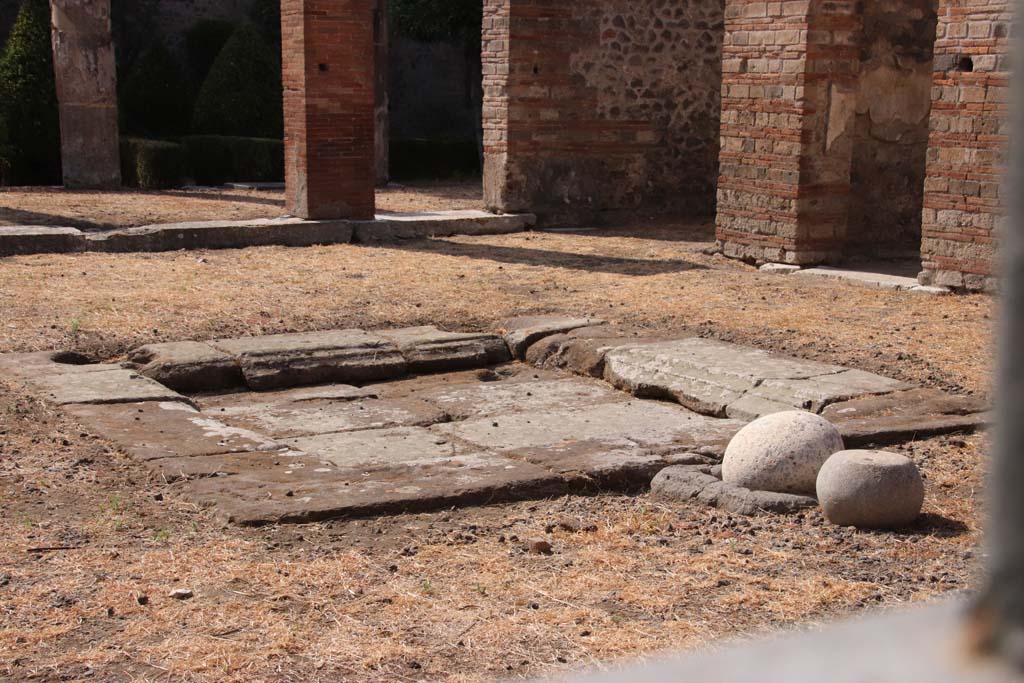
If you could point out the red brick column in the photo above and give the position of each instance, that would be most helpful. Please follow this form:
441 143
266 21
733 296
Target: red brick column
967 147
788 106
329 74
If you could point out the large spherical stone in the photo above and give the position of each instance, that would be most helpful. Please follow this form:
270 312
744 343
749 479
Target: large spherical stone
781 452
870 489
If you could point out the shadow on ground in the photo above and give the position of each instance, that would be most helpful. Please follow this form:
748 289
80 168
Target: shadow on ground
551 259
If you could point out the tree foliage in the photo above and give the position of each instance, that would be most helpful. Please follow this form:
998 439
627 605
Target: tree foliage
242 93
155 97
30 147
203 42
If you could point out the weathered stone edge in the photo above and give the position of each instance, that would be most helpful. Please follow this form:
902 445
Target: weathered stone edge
18 241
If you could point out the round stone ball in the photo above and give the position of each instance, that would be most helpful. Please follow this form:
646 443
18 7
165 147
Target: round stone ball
870 489
781 452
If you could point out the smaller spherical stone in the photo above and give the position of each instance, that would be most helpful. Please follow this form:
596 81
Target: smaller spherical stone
870 489
781 452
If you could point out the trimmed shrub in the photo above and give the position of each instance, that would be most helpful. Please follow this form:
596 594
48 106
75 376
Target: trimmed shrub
217 159
418 159
28 101
203 42
266 16
242 94
155 98
152 164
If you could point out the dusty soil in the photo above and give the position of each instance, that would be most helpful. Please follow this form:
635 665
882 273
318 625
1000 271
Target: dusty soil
96 210
452 596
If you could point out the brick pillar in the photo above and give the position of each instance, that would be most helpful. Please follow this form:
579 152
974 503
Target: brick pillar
382 146
329 101
966 150
788 108
83 60
495 67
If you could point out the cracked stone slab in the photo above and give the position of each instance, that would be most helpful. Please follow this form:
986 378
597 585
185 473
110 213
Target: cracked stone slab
428 349
152 430
306 417
704 375
375 448
287 360
306 495
814 393
686 482
187 366
644 424
250 399
501 398
583 350
521 333
104 386
906 415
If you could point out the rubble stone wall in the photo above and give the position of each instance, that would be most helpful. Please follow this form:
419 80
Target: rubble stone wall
601 104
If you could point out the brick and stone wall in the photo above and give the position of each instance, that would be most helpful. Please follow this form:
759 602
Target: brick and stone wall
601 104
966 155
789 102
891 134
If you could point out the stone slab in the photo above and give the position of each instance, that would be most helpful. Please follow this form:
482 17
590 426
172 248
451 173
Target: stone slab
289 232
428 349
709 376
521 333
906 415
583 350
107 386
779 268
683 483
32 239
306 417
471 400
305 495
157 429
392 227
288 360
877 280
643 424
247 400
29 366
187 366
375 448
814 393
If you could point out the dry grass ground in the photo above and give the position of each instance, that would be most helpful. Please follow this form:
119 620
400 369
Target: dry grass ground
103 210
450 596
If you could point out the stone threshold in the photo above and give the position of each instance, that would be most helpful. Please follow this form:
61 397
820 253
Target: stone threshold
898 283
286 231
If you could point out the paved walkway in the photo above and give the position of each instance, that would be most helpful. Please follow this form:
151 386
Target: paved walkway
301 427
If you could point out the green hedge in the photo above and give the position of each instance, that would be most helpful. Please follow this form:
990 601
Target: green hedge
155 100
417 159
203 42
153 164
30 150
218 159
242 93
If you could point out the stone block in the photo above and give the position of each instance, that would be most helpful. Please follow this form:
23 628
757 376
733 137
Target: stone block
428 349
521 333
165 429
108 386
289 360
30 239
187 366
